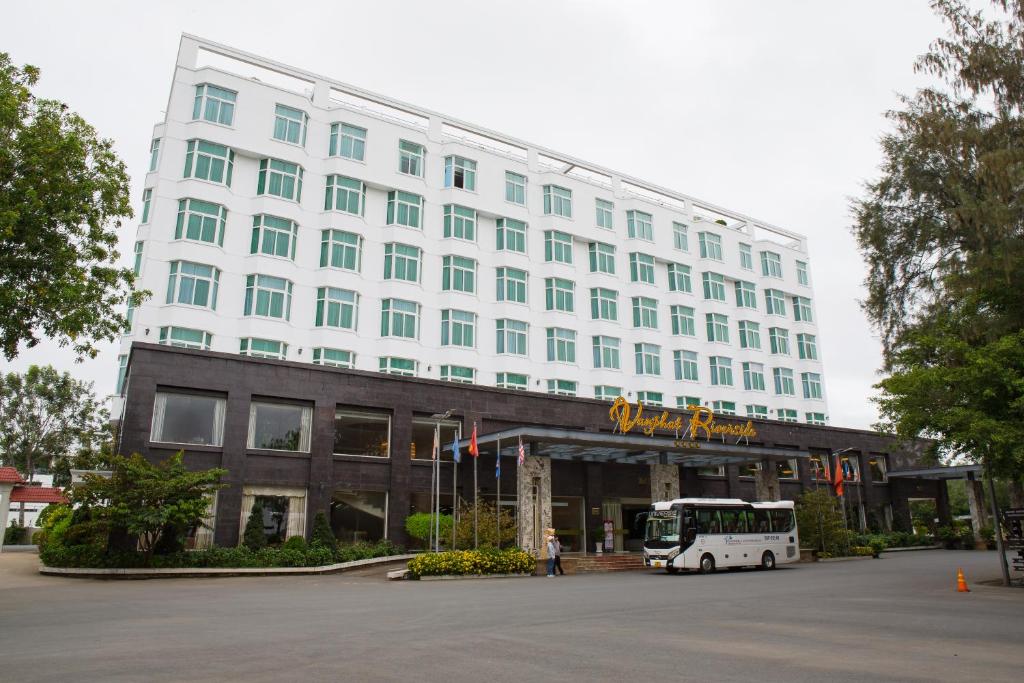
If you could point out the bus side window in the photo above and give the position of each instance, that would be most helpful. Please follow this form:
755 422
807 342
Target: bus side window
707 521
761 523
782 520
733 521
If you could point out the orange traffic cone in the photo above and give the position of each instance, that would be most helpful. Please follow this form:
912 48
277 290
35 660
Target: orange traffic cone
961 584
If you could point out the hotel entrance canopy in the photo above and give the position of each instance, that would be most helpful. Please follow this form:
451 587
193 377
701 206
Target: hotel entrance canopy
572 444
949 472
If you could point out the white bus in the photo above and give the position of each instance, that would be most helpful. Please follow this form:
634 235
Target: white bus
707 533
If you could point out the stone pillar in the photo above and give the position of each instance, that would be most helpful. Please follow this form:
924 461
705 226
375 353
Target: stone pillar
228 524
533 493
976 501
942 503
5 505
766 481
664 482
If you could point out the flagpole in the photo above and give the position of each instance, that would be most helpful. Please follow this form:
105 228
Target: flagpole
430 533
455 495
437 517
476 537
497 507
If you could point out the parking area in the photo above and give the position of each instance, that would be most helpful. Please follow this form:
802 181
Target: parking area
897 618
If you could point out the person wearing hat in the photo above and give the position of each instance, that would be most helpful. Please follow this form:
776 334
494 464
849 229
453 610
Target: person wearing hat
552 553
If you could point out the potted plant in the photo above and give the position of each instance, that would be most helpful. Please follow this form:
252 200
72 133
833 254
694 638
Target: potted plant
598 536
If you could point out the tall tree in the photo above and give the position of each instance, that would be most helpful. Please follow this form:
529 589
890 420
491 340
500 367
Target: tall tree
63 193
942 231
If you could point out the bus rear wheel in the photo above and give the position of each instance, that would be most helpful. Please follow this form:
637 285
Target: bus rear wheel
707 564
768 560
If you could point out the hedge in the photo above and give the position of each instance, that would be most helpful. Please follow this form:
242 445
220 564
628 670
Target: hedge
465 562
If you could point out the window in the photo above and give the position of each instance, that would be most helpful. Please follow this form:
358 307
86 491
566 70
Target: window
459 172
279 426
512 380
606 353
724 407
711 471
208 161
280 179
812 384
710 245
746 257
348 195
268 296
557 201
648 359
340 249
851 467
602 258
645 312
458 274
263 348
290 125
683 322
877 469
779 340
640 225
410 158
753 377
714 286
746 295
214 104
334 358
771 264
654 399
815 418
511 285
561 345
273 236
122 374
402 262
721 370
137 268
398 366
802 309
685 363
787 469
641 268
360 515
717 327
562 387
348 141
680 237
458 374
679 278
361 433
200 221
459 222
801 273
684 402
193 284
806 346
559 294
557 247
756 411
515 188
750 335
604 304
605 214
336 308
129 315
511 336
784 382
604 392
774 302
819 466
458 328
188 419
511 235
404 208
399 318
147 200
185 338
787 415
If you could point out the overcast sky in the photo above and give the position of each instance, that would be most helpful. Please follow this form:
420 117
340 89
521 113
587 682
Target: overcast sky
772 109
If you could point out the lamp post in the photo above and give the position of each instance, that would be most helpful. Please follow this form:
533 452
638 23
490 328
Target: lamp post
435 479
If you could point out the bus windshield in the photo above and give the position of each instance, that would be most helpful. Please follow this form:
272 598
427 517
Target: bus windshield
663 527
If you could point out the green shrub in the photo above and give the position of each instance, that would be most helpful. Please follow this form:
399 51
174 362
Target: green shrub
14 534
322 532
419 524
877 545
988 533
861 551
318 555
466 562
253 538
295 543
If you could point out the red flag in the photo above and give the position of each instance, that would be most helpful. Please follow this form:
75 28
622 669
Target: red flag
837 477
474 450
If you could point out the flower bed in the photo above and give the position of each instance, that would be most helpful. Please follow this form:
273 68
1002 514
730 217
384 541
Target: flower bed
468 562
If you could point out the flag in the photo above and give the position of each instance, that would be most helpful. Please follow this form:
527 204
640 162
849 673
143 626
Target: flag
474 450
837 480
455 448
497 465
522 453
437 446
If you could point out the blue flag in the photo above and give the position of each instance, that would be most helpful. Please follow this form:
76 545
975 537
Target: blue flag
497 466
455 449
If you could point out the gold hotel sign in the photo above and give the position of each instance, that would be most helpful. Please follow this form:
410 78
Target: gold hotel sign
702 423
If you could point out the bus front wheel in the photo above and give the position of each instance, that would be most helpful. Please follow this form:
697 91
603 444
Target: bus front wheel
672 570
707 564
768 560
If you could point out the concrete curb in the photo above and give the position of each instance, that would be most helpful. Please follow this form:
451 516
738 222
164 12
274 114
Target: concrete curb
20 549
845 559
214 572
474 576
912 548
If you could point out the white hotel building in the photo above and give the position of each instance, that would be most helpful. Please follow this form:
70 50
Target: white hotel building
291 216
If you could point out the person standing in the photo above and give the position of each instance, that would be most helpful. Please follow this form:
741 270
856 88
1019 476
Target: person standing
552 549
558 556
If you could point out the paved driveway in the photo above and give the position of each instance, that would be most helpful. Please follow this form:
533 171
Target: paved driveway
898 618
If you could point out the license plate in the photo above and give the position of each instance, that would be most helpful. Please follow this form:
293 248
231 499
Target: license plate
657 563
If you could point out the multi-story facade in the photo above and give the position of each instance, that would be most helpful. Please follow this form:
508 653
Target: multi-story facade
289 216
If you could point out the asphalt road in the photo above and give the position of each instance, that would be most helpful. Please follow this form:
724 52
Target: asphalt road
898 618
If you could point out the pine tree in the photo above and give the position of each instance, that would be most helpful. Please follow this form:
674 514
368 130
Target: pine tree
254 538
322 533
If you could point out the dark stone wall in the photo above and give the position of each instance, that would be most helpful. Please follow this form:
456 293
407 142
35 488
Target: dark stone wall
324 389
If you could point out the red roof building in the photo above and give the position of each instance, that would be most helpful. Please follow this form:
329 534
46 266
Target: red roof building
9 475
37 494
